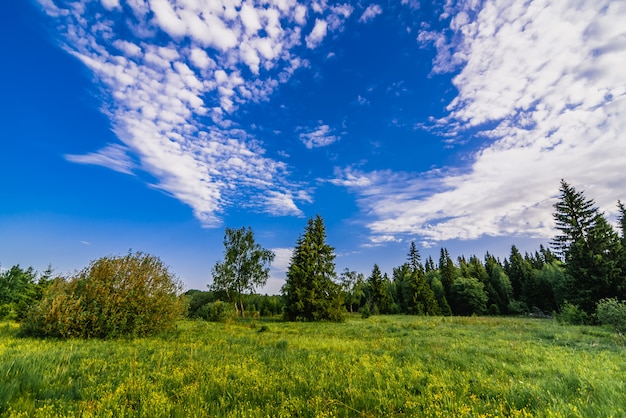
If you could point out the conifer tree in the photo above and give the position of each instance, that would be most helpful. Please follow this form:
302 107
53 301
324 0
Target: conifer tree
310 292
574 216
447 270
378 300
591 249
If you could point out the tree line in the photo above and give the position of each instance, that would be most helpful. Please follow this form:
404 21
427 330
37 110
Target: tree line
581 278
585 265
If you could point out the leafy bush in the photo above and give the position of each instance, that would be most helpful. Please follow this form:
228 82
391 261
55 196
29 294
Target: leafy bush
572 315
217 311
468 297
612 312
130 296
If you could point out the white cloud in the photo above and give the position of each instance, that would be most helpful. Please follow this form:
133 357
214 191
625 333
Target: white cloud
162 88
322 136
282 259
370 13
547 74
111 4
114 157
317 34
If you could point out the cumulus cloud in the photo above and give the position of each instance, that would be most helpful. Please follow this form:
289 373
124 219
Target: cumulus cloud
173 77
322 136
317 34
370 13
282 259
541 83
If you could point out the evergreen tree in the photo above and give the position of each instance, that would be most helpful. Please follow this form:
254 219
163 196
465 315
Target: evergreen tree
433 278
429 265
447 270
591 248
378 299
402 286
593 267
309 291
499 283
519 271
574 216
414 258
622 226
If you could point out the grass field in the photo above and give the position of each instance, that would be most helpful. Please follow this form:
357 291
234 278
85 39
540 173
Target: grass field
380 366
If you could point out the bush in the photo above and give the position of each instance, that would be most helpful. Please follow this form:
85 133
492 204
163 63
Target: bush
130 296
217 311
572 315
612 312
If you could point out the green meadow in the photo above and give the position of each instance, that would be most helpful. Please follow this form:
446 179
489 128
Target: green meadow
379 366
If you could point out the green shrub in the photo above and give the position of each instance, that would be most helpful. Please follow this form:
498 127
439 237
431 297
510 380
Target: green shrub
130 296
572 315
365 312
217 311
612 312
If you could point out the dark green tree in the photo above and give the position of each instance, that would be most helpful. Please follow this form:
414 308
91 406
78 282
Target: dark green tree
379 301
447 270
574 216
499 285
310 291
591 249
433 278
593 267
17 291
468 297
519 271
244 268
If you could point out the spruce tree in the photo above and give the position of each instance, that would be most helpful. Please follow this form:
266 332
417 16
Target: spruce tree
574 216
378 300
591 248
310 292
447 270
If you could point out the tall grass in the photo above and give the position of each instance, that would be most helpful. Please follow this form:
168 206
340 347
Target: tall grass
380 366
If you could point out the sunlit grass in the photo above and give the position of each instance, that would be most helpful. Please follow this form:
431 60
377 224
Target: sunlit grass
380 366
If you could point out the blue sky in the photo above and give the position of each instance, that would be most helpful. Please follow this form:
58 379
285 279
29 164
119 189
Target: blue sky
152 125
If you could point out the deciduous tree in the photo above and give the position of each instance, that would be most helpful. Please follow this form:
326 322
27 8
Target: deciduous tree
245 266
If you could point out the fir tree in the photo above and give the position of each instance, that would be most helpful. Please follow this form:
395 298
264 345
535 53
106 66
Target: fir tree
574 216
591 248
378 299
447 270
310 292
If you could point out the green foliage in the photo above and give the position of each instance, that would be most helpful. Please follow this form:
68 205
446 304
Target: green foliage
592 250
378 299
217 311
612 312
468 297
574 216
310 292
354 289
17 292
130 296
572 315
244 268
